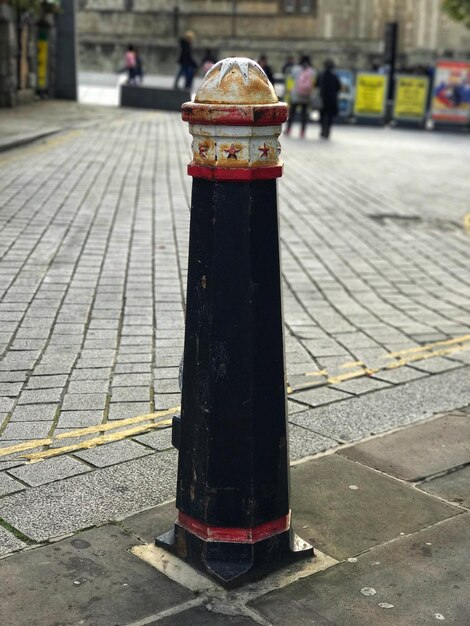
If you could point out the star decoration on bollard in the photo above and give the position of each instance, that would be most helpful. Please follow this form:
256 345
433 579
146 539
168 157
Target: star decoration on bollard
202 150
264 149
232 152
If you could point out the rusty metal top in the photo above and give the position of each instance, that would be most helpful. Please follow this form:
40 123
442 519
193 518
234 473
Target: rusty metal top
236 80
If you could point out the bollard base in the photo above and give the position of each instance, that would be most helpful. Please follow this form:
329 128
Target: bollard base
234 564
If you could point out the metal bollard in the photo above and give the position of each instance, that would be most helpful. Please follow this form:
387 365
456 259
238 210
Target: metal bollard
234 520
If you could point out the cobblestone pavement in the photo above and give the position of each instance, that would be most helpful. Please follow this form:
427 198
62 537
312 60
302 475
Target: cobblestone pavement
93 249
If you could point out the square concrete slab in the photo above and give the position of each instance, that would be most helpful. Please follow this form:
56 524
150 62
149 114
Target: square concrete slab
9 543
320 396
92 498
152 523
303 442
344 508
89 579
48 471
454 486
418 451
8 484
113 453
419 580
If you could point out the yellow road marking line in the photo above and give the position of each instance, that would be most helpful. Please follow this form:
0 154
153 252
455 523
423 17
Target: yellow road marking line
80 432
352 364
319 373
466 223
92 443
430 346
334 380
48 142
404 357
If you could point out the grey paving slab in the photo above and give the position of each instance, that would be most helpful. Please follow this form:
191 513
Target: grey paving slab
319 396
84 402
96 580
44 382
130 394
93 498
358 386
48 471
112 453
389 408
454 487
13 461
345 508
303 442
159 439
123 410
153 522
418 451
34 413
79 419
417 580
16 431
8 484
88 386
435 365
40 396
165 401
96 373
9 543
400 375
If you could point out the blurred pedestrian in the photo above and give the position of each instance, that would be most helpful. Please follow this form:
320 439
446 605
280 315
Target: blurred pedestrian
139 68
186 62
130 62
208 61
263 63
304 77
288 65
329 87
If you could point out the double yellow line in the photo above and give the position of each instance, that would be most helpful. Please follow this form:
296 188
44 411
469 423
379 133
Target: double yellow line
151 421
401 358
144 423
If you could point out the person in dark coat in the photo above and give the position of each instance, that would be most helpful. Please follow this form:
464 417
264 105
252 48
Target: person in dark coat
263 63
186 62
329 87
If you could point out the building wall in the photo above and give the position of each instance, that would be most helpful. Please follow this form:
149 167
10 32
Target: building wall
350 31
8 52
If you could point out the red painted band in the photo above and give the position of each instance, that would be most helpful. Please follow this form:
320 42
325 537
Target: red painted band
235 115
235 173
233 535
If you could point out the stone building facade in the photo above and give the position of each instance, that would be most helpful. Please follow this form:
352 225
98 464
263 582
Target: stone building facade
350 31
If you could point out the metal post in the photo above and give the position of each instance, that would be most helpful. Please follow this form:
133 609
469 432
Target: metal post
234 519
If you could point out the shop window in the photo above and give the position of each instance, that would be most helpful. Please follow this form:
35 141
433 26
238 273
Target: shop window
298 6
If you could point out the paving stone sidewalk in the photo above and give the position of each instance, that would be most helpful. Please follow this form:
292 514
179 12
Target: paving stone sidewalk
93 250
389 519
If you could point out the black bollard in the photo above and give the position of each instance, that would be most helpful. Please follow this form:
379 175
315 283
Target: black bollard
233 469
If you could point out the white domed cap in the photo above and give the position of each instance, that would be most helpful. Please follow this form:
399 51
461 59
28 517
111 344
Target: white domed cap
236 80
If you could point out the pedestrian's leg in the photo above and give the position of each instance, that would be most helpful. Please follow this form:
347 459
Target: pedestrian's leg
303 118
328 123
292 110
179 74
189 72
322 122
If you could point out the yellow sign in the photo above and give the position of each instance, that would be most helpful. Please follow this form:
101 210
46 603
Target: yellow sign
43 52
371 91
411 94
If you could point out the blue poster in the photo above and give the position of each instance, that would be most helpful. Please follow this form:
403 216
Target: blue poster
346 95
